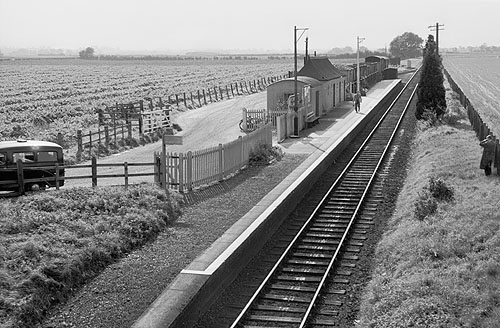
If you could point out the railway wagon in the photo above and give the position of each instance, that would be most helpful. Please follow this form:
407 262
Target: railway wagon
383 62
38 160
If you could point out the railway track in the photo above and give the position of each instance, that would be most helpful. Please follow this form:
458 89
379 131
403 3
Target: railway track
301 289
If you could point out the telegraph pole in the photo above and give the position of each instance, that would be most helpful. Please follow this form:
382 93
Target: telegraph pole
295 107
357 61
437 29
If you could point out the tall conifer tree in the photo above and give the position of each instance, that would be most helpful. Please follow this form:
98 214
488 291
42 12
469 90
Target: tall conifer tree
431 92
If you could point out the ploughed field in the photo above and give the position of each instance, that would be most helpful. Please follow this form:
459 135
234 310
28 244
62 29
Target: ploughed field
39 98
479 78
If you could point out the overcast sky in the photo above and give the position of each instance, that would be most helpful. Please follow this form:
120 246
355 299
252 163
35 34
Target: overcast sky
187 25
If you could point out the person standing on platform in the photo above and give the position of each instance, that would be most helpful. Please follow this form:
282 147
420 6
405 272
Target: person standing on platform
488 154
357 102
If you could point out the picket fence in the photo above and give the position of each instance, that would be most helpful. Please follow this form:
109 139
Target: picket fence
194 169
176 171
479 126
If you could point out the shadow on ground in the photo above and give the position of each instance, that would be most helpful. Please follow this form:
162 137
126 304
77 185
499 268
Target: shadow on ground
223 187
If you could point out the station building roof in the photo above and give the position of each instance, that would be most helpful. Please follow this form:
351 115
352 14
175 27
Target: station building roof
319 68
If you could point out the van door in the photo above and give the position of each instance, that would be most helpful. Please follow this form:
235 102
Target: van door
3 159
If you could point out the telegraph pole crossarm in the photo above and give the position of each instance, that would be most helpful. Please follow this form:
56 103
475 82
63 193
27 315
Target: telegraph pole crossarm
436 28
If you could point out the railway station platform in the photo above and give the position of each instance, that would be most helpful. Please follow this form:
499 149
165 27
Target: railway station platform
199 284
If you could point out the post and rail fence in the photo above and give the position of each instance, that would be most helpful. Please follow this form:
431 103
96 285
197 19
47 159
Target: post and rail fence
183 172
136 118
479 126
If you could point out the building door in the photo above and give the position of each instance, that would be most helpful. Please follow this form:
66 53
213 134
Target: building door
317 103
333 95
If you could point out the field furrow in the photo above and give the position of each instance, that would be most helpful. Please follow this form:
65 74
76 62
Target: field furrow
479 78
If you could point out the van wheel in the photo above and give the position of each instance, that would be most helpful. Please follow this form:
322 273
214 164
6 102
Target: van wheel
35 187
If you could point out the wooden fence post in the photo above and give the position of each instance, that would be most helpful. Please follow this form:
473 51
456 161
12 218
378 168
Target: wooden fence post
90 143
242 153
221 94
94 171
199 100
221 163
123 131
232 91
189 171
181 172
57 176
204 97
129 128
245 116
497 157
20 177
80 145
125 173
163 164
215 92
177 100
99 135
192 101
106 136
210 95
157 168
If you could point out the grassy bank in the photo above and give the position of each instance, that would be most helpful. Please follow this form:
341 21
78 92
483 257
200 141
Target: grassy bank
51 243
438 264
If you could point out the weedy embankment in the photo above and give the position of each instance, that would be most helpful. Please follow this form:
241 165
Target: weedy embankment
53 242
438 263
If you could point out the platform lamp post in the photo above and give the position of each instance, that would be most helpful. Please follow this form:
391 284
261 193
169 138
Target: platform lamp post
295 108
359 40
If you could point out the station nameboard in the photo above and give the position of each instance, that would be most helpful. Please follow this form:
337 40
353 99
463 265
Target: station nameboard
172 140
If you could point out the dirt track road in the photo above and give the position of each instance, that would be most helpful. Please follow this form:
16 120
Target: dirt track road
203 127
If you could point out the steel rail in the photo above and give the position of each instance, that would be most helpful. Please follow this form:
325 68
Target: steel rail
358 207
317 208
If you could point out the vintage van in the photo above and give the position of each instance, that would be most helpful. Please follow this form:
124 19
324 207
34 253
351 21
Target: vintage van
38 159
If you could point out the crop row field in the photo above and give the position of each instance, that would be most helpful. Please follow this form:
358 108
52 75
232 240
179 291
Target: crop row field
479 78
41 98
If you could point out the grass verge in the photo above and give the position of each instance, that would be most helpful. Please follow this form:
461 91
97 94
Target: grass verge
438 264
52 243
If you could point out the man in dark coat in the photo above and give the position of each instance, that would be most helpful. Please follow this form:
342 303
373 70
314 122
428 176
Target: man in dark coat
488 154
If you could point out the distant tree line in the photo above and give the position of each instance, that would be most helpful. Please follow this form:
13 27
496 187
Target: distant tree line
484 48
89 54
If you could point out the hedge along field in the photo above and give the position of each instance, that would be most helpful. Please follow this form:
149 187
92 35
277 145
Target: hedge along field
51 243
479 78
43 97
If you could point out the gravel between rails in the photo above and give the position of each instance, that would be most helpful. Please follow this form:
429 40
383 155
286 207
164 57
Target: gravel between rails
118 296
